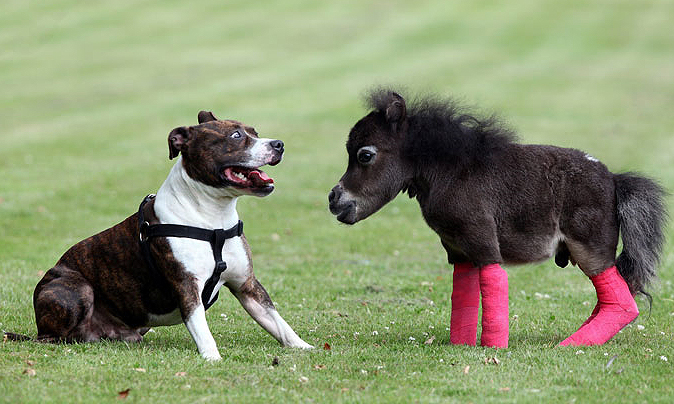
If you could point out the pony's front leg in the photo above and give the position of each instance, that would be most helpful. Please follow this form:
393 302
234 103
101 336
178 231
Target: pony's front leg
494 289
465 304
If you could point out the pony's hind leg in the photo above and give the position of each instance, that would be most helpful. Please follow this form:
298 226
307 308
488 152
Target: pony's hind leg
592 245
615 309
465 304
594 313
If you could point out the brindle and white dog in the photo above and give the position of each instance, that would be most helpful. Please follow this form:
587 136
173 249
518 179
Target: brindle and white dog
103 287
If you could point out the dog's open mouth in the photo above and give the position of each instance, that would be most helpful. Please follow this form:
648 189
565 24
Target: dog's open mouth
247 177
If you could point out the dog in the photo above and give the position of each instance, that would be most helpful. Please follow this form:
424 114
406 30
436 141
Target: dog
165 264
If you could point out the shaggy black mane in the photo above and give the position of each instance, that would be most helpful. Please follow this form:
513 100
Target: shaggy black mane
441 130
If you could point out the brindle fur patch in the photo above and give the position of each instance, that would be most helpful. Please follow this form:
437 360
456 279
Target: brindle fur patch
254 289
78 299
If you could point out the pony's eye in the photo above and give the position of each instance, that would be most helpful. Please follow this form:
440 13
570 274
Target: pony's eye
366 155
235 135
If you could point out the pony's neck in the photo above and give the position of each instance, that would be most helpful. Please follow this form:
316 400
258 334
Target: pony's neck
418 187
428 175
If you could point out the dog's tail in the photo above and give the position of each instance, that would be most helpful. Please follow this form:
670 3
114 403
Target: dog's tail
642 216
10 336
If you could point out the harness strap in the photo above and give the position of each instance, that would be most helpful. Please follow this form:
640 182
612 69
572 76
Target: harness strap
216 238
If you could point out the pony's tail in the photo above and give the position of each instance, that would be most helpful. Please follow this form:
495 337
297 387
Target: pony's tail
641 215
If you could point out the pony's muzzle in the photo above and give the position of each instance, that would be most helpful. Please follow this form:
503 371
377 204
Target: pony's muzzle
334 199
342 207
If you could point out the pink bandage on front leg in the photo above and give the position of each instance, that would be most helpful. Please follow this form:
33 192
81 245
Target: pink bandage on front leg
617 308
494 289
465 304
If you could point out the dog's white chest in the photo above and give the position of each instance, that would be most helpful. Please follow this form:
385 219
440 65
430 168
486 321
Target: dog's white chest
181 200
197 258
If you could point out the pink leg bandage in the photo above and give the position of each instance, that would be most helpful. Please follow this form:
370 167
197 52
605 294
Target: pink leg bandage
617 308
592 316
494 288
465 304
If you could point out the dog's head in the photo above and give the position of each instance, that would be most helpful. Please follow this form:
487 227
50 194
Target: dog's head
226 153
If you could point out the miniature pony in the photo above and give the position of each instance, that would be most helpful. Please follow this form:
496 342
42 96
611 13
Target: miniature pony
493 201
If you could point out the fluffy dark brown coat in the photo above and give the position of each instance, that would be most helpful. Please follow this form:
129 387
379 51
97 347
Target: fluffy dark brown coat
492 200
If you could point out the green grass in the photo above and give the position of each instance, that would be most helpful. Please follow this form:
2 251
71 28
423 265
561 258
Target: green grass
90 90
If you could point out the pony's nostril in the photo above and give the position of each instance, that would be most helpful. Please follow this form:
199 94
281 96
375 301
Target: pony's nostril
334 194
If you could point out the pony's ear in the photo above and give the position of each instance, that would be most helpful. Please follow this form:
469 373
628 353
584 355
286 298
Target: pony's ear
396 111
177 141
206 116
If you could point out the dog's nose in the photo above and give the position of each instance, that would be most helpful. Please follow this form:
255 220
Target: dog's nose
335 193
277 145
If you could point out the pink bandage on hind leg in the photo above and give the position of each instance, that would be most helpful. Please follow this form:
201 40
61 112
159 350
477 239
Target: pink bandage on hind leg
617 308
465 304
494 288
592 316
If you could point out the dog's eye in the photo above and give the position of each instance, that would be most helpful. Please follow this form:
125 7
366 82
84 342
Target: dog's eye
235 135
366 155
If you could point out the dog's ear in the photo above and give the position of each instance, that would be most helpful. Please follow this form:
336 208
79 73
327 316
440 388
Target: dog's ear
177 141
206 116
396 111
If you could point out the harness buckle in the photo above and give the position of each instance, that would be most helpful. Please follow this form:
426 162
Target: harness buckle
141 232
220 267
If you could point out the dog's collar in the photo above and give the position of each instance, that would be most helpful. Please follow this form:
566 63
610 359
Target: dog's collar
216 237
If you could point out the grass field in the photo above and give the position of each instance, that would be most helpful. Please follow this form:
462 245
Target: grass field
90 90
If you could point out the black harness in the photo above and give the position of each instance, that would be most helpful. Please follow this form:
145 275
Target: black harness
216 237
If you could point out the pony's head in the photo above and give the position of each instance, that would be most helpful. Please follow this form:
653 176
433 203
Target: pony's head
377 170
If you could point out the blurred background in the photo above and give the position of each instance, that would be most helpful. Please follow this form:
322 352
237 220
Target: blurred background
90 91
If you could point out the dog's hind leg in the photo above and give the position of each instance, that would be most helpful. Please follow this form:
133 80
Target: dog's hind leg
254 298
64 301
617 308
494 289
465 304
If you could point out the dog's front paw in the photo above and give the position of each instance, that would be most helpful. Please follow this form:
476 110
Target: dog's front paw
301 345
212 356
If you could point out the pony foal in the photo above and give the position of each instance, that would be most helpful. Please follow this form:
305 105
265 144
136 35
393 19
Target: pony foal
494 201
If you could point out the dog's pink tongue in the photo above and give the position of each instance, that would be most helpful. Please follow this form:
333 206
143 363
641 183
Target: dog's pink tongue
260 178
